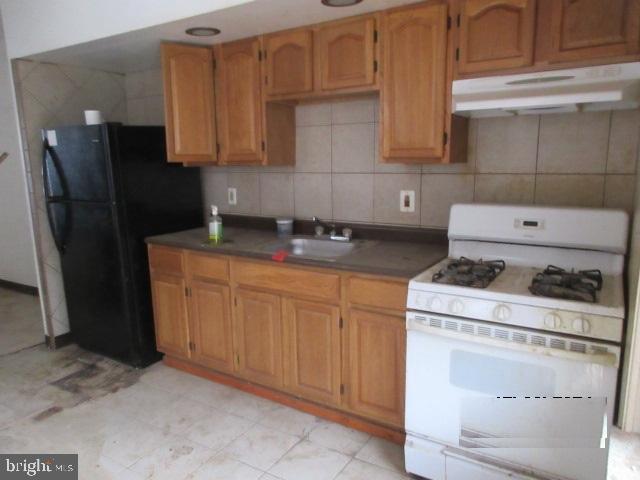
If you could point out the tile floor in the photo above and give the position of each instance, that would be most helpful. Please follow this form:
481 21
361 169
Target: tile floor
160 423
20 321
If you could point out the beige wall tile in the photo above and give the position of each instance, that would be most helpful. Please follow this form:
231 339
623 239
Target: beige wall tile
504 188
352 148
313 195
134 85
386 198
463 167
49 85
359 110
136 111
154 107
248 192
313 114
313 149
153 82
439 193
573 143
352 196
623 141
214 190
276 194
619 191
570 190
507 144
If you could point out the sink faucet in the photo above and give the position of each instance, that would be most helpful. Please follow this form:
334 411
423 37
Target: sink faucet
321 226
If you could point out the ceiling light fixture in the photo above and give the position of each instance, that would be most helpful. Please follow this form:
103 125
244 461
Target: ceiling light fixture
340 3
202 31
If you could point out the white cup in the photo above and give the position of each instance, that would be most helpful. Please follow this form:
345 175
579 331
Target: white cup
93 117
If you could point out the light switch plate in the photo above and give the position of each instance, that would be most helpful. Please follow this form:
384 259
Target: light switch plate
408 201
232 196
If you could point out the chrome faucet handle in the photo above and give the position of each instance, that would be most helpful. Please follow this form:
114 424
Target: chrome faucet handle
347 233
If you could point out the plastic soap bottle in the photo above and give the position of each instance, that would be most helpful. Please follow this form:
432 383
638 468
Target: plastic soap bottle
215 226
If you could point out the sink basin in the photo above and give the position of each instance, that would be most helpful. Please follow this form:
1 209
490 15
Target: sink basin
313 247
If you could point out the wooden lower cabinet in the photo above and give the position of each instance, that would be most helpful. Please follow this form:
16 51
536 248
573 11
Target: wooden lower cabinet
258 336
170 314
210 325
312 342
245 319
377 351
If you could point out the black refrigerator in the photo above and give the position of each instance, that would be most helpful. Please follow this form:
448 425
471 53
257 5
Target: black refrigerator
107 187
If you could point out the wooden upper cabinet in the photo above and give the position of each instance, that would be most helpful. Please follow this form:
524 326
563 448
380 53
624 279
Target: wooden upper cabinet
312 359
590 29
189 103
210 322
258 334
347 53
289 62
414 87
170 314
239 102
495 35
377 365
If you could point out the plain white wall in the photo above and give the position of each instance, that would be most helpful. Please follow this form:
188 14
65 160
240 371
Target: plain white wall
35 26
17 256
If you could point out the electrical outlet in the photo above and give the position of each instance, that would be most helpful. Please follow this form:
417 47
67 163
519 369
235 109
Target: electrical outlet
408 201
232 196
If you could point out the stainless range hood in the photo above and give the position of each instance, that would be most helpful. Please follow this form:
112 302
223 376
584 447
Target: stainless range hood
605 87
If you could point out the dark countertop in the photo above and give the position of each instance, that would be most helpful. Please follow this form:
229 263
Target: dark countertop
384 257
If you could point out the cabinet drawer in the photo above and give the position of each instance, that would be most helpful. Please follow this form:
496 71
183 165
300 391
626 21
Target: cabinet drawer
288 280
382 293
207 267
164 259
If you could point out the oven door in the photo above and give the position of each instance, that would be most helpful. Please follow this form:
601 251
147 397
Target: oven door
539 403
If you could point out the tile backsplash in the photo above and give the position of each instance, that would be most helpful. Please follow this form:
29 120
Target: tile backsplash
577 159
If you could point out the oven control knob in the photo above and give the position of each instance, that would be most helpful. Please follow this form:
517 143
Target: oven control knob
433 303
418 300
502 313
581 325
456 306
552 320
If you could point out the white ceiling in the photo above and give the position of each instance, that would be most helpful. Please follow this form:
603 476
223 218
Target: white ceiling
139 50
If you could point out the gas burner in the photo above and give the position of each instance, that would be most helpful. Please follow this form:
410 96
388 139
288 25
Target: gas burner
469 273
558 283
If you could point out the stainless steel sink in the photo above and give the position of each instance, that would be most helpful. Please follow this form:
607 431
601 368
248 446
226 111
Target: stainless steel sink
312 247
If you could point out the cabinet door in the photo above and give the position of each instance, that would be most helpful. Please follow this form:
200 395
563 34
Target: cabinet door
258 330
189 103
589 29
170 314
289 62
495 34
414 90
347 54
312 358
211 325
377 345
239 102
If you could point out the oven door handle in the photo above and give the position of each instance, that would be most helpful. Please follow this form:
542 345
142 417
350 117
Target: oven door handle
607 359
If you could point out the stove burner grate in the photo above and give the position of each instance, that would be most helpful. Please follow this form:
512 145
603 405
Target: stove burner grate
556 282
469 273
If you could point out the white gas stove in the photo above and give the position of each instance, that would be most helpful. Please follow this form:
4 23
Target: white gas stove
481 330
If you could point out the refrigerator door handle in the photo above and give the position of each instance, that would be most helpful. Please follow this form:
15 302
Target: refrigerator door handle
49 153
58 232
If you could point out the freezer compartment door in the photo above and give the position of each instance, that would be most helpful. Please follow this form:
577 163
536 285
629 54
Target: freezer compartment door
94 281
76 164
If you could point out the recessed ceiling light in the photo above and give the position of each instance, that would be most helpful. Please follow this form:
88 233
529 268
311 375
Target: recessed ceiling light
202 31
340 3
